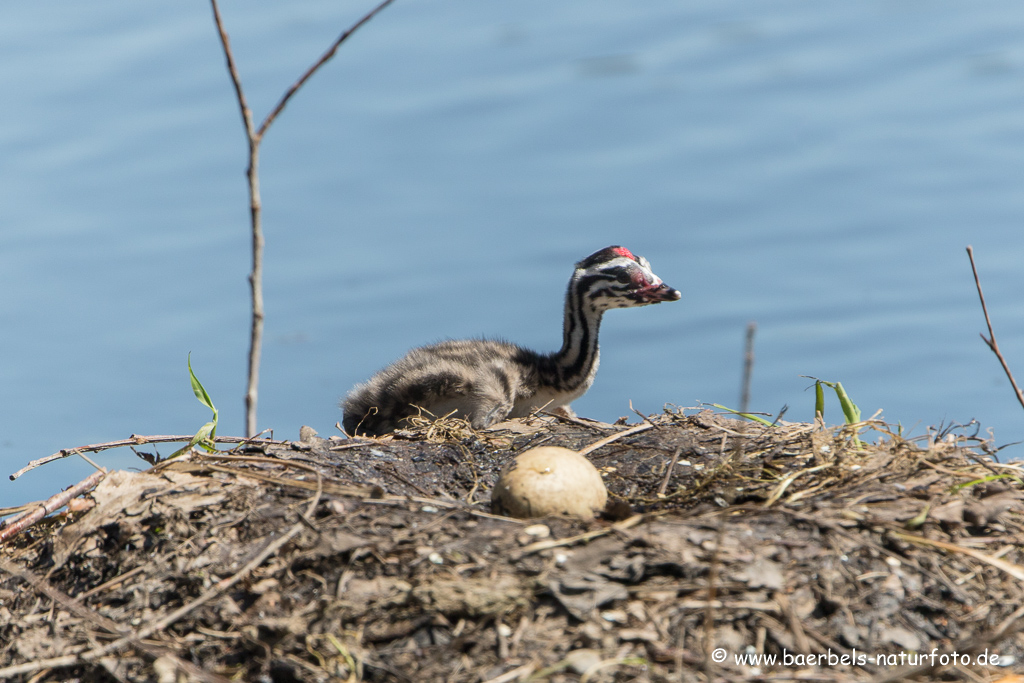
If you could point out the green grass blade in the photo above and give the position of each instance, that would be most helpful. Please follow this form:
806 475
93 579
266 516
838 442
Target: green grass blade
749 416
198 389
983 480
204 437
920 518
850 409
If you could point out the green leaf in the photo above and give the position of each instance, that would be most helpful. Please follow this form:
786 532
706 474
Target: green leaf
749 416
983 480
850 409
198 389
204 437
920 518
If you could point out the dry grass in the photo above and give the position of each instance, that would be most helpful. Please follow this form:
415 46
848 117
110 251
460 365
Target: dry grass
379 561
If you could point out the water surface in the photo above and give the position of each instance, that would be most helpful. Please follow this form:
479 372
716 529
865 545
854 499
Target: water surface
818 168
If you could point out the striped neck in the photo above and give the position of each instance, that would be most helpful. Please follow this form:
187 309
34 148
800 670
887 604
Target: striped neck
575 364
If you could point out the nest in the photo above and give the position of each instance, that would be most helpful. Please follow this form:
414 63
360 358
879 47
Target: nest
729 551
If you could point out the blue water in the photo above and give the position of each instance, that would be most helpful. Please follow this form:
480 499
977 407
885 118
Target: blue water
815 167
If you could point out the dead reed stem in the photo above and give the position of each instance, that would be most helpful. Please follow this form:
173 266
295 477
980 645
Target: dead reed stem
748 367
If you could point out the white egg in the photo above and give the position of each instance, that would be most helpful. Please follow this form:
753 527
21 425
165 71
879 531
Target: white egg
549 480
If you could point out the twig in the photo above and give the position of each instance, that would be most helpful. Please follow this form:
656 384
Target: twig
641 415
255 215
78 608
668 472
362 492
991 339
159 625
789 479
1008 627
517 674
608 439
315 500
365 493
712 593
796 628
281 462
593 424
134 440
1014 570
768 606
107 585
748 367
53 503
89 460
324 58
627 523
254 138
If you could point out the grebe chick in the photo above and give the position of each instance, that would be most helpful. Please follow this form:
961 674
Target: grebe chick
485 381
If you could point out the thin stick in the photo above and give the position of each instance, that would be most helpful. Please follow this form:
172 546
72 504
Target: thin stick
120 578
668 472
216 590
608 439
324 58
712 592
1014 570
1008 627
593 424
790 478
625 524
748 367
991 339
254 138
255 287
255 215
159 625
135 440
78 608
53 503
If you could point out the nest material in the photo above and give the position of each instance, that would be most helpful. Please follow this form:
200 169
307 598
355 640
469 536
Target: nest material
377 560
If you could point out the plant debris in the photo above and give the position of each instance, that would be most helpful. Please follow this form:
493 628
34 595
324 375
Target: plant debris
729 551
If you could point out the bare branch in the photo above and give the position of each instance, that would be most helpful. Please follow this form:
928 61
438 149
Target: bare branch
233 71
53 503
255 285
668 471
254 138
159 625
991 339
76 607
134 440
324 58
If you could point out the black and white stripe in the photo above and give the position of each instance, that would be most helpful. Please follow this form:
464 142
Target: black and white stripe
488 381
604 280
